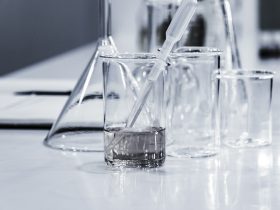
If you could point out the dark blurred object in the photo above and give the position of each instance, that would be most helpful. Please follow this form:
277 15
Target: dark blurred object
197 29
33 30
269 52
269 16
197 32
269 25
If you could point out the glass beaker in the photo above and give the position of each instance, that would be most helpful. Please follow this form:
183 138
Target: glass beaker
142 145
190 116
211 26
243 103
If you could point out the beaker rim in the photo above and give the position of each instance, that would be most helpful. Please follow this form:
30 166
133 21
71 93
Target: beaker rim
179 52
244 73
130 56
196 51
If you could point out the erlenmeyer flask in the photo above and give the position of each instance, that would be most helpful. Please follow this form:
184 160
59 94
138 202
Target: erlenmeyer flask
79 126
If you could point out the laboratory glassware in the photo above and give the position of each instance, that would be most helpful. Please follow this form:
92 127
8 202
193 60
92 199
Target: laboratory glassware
74 130
174 32
211 26
142 145
243 108
73 121
79 127
190 117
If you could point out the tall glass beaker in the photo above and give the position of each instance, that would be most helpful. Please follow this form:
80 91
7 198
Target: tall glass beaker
211 26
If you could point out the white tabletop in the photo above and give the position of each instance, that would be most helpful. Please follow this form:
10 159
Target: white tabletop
35 177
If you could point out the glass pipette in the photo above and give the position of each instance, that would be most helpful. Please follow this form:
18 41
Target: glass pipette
174 33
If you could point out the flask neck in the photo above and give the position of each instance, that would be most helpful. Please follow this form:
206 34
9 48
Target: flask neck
104 18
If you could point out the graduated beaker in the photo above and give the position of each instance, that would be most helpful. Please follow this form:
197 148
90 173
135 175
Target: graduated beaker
142 145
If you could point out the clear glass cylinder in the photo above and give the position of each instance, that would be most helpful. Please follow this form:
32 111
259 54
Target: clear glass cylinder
243 105
190 124
142 145
206 28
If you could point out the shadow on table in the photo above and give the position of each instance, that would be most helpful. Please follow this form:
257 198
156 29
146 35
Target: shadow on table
172 166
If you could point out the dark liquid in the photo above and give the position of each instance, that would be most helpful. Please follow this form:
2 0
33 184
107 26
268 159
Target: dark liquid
136 148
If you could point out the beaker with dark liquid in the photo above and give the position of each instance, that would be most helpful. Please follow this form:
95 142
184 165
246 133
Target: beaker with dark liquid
143 144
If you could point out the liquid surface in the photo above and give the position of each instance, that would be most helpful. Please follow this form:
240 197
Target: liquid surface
136 148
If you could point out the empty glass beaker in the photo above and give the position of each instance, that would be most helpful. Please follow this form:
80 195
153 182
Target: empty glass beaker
211 26
243 104
190 123
143 144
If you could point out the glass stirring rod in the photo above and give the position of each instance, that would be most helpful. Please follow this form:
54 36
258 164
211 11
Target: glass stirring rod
174 33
